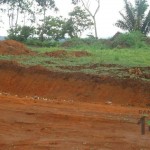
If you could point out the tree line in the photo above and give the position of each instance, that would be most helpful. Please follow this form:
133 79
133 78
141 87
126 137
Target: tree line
81 18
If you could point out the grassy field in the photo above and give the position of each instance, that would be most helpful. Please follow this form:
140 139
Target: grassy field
124 57
112 62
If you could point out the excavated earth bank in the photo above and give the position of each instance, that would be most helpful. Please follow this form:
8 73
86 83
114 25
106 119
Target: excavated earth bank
37 81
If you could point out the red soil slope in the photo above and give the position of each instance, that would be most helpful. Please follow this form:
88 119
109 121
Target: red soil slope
36 81
12 47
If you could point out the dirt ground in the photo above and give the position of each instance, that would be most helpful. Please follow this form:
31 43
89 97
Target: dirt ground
80 87
48 110
11 47
27 124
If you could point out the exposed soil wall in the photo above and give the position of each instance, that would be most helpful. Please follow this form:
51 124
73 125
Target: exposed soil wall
34 81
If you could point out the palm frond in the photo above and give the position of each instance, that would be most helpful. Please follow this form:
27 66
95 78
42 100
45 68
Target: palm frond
146 24
121 24
141 6
130 12
134 18
127 20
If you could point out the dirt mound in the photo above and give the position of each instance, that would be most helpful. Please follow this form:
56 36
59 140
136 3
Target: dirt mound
64 53
57 54
72 86
11 47
93 66
80 53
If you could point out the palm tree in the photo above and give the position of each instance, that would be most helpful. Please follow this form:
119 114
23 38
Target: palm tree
135 18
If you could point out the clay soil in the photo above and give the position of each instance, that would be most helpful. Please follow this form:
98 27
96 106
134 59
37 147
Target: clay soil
11 47
27 124
47 110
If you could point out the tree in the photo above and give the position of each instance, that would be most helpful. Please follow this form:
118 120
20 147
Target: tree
4 1
15 8
20 33
78 22
45 5
86 4
52 28
135 18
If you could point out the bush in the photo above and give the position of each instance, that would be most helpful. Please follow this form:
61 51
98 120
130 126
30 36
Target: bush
129 40
20 33
86 43
37 42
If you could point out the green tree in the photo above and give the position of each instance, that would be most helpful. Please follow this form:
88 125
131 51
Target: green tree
135 18
15 8
69 29
52 27
45 5
21 33
86 4
78 22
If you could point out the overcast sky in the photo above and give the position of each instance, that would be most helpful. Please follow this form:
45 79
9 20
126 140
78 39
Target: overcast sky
106 17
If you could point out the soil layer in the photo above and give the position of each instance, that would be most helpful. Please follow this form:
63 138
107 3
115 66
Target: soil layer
46 110
37 81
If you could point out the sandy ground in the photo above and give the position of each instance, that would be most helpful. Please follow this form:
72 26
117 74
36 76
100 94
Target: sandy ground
27 124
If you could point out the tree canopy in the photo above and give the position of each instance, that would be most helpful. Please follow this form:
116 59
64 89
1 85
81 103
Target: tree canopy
86 5
135 17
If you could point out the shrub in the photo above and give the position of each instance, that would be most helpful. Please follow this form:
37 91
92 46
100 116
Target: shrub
86 43
129 40
20 33
37 42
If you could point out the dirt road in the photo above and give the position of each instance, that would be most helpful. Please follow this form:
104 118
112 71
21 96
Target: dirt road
27 124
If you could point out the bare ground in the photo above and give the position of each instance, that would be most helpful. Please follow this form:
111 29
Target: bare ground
48 110
27 124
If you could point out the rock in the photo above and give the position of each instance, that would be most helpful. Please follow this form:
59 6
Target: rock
108 102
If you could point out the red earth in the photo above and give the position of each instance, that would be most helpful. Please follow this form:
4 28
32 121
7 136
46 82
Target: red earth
11 47
31 124
81 87
48 110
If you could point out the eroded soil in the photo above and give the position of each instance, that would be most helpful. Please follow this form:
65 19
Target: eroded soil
27 124
37 81
46 110
11 47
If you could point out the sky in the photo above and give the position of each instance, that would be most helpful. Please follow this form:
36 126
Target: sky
106 17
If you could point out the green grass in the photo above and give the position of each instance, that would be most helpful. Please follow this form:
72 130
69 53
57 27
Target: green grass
45 49
122 58
125 57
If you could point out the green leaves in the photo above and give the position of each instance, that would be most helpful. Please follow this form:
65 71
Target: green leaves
20 33
134 18
78 22
52 27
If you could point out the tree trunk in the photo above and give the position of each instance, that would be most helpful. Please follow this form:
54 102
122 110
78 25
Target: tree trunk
95 27
44 16
16 24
